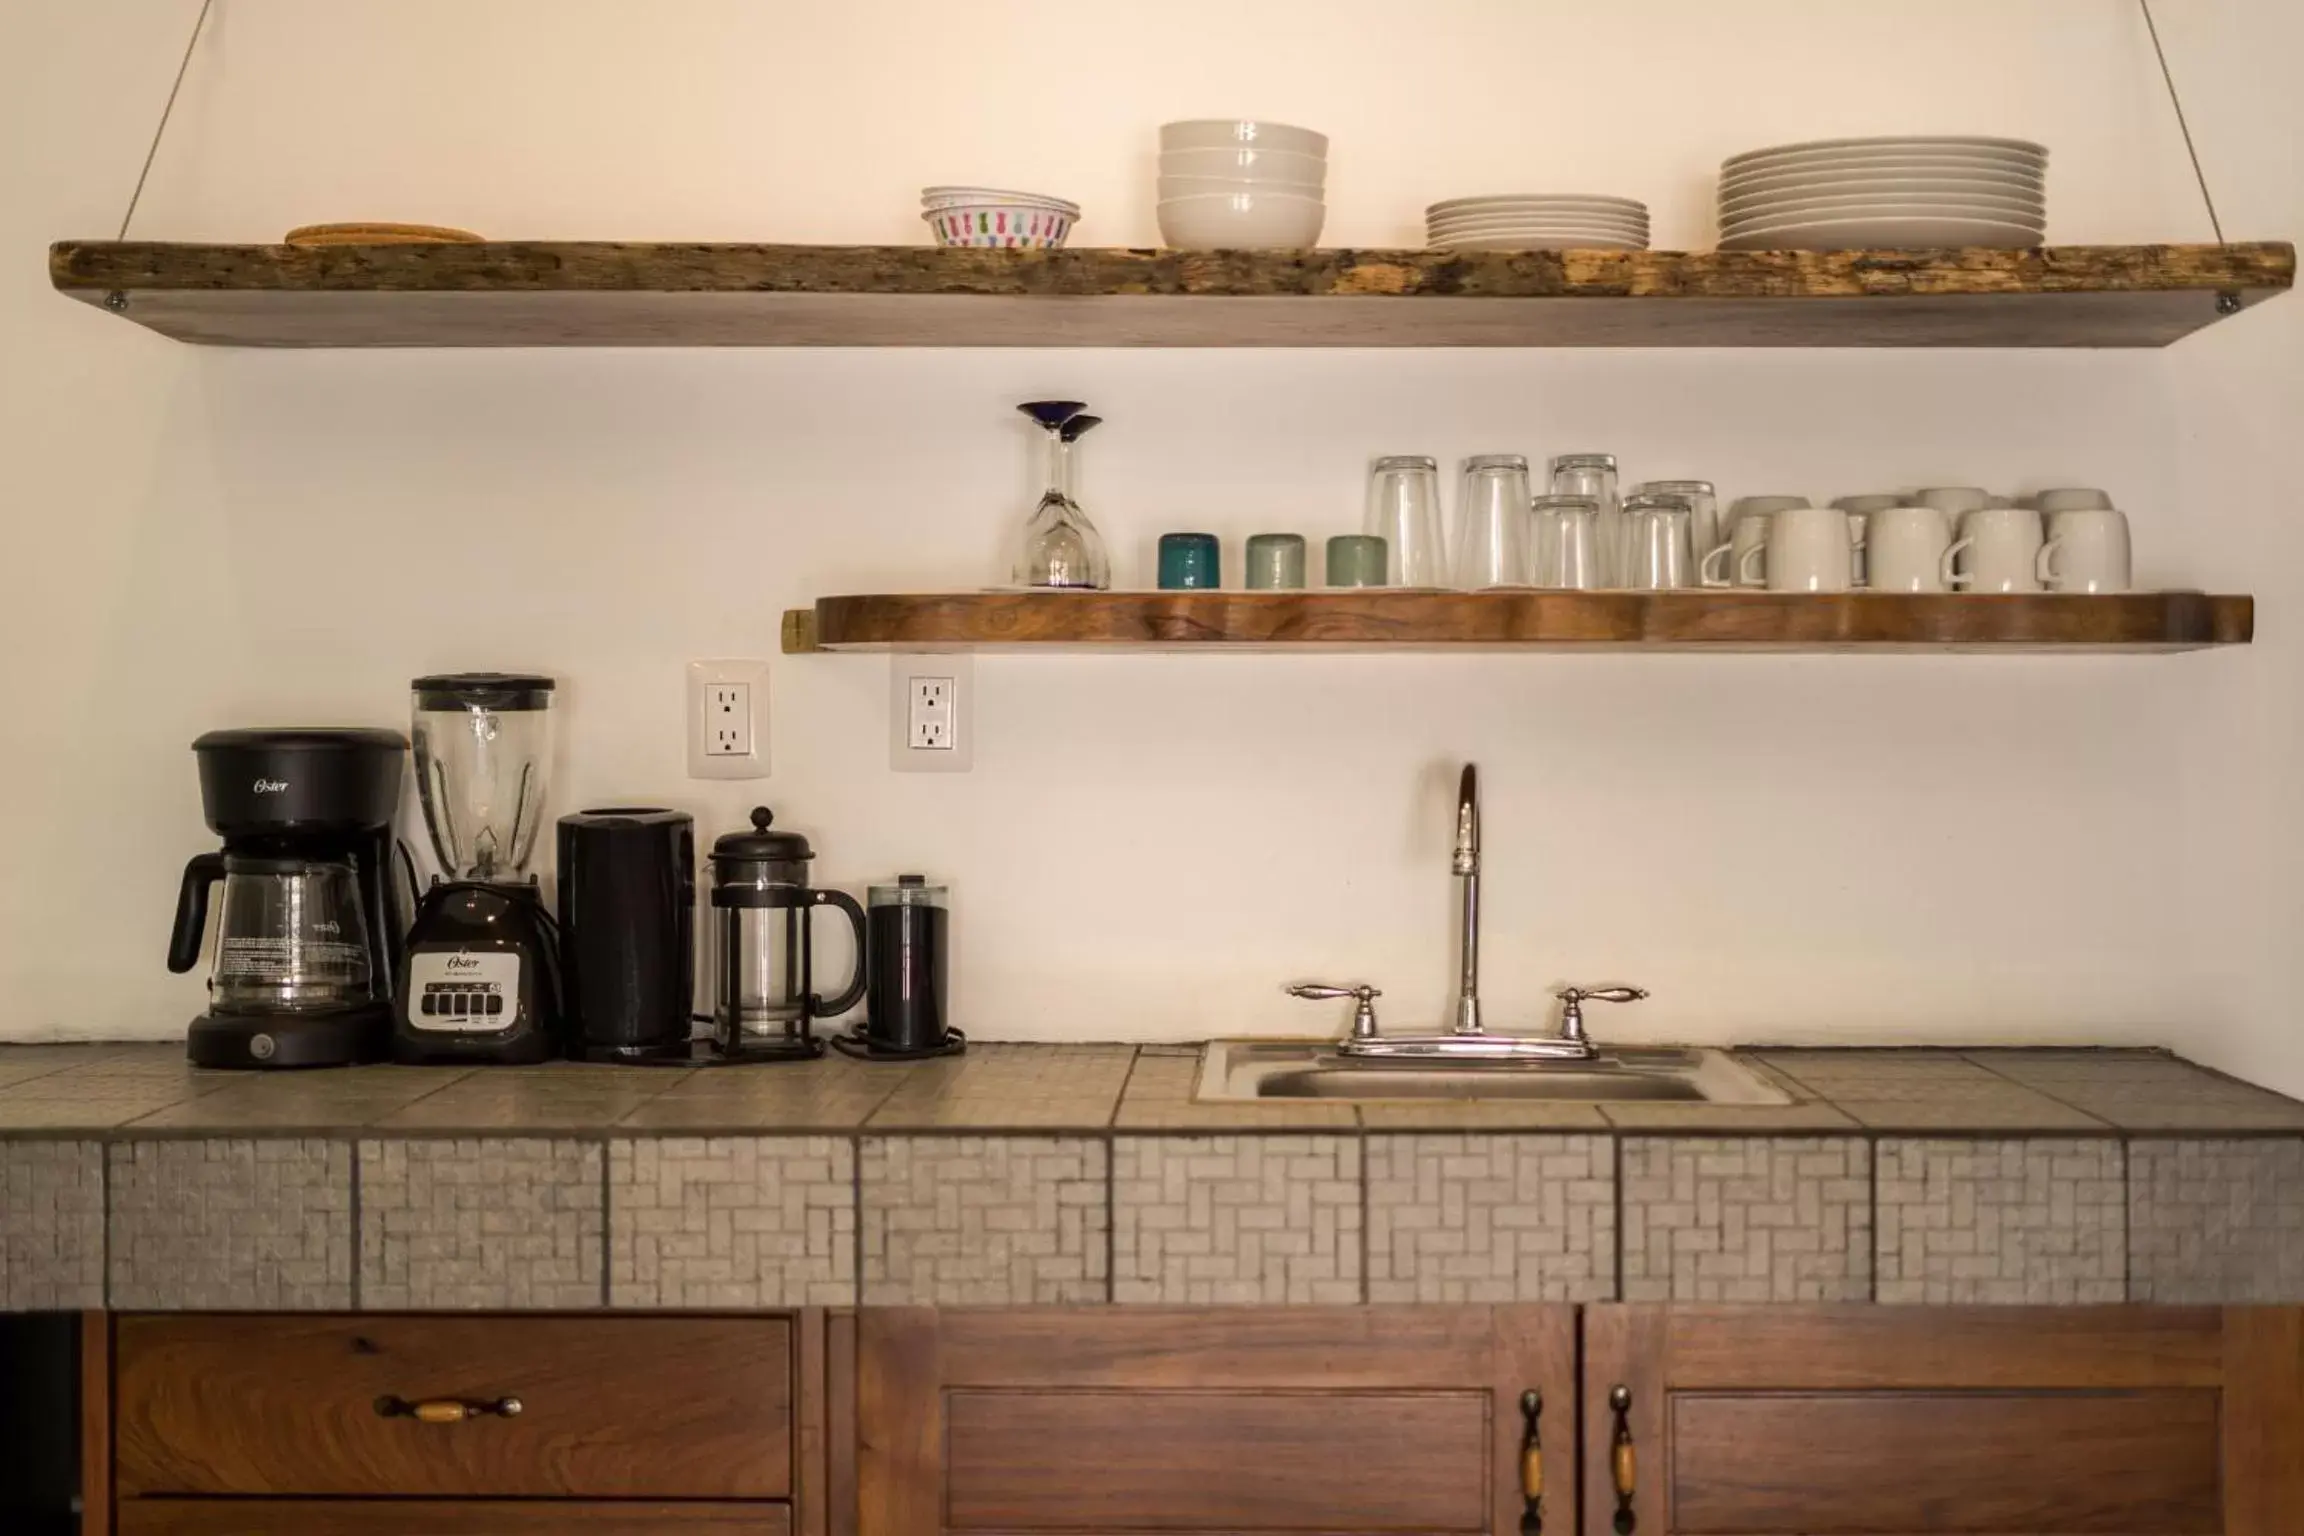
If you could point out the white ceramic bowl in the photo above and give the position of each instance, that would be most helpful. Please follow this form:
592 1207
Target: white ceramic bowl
1241 133
977 197
1224 186
1000 226
1245 161
1242 221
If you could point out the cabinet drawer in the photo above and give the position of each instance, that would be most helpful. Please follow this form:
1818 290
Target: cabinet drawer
633 1408
430 1517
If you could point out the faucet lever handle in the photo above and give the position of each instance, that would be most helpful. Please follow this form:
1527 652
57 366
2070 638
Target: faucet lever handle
1573 996
1573 999
1363 997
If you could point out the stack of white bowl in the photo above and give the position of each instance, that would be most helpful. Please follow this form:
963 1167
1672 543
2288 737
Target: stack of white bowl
1239 184
1857 194
1537 221
991 218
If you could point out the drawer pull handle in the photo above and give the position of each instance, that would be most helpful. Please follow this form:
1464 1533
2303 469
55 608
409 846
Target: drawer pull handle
1532 1464
446 1410
1622 1466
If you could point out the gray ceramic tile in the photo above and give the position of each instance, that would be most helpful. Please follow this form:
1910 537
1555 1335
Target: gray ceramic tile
1236 1219
1906 1090
759 1221
2216 1222
351 1098
116 1085
1011 1087
1491 1218
984 1220
508 1225
1747 1219
23 1063
51 1225
832 1093
501 1100
2147 1092
2031 1222
231 1224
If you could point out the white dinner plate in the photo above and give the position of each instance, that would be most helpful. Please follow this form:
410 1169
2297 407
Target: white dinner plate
1885 234
1566 216
1916 186
1539 232
1920 143
1847 207
1536 243
1537 199
1888 169
2035 227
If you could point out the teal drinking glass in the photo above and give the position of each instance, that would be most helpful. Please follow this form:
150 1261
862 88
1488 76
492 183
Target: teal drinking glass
1190 562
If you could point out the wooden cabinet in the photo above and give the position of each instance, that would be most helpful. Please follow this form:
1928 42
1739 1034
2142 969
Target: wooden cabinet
1329 1419
1891 1421
428 1517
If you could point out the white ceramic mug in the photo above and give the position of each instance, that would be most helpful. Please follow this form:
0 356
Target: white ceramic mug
2003 545
1954 501
1904 549
2072 498
1740 561
2087 551
1810 549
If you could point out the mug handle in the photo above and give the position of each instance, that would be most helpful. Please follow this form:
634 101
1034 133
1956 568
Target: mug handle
1746 576
2044 563
1706 575
853 993
1952 578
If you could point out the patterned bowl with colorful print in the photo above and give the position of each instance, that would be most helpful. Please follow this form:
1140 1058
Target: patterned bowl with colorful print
998 226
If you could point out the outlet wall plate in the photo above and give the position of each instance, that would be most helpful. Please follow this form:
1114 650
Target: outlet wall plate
725 698
931 713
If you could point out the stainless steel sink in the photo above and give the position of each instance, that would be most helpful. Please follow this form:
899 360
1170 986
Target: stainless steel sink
1248 1071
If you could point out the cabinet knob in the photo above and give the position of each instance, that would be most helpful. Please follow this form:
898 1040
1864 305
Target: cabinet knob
1623 1464
447 1410
1532 1463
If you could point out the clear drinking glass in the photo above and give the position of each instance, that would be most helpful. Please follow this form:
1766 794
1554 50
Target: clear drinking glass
1492 536
1061 547
1404 511
1704 529
1659 552
1593 476
1567 538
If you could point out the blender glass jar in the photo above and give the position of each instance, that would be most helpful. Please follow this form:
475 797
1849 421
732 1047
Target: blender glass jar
483 756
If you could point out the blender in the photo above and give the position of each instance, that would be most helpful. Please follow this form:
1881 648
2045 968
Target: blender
480 980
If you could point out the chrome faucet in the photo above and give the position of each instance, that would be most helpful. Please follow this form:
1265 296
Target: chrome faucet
1467 1039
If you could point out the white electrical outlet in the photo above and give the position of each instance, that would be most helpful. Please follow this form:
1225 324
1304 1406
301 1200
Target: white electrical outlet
728 719
931 714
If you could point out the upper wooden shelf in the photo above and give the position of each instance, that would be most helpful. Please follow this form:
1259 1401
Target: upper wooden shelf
1378 619
602 294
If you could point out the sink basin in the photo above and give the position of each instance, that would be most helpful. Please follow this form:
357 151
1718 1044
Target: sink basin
1248 1071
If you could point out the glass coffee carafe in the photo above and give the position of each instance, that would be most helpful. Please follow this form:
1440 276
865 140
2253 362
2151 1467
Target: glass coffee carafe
292 938
762 962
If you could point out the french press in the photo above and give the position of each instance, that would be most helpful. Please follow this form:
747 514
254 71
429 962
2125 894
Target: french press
766 1004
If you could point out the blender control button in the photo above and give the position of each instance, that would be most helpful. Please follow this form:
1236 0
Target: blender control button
262 1046
495 1003
430 1004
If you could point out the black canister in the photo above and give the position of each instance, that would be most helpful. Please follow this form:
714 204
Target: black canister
907 1006
627 922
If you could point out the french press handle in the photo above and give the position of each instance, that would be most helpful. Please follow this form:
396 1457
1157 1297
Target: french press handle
853 993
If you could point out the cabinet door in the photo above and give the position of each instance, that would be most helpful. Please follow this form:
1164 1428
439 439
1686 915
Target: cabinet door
1895 1421
1340 1420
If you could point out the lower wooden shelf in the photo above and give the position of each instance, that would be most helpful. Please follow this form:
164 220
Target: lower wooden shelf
1563 621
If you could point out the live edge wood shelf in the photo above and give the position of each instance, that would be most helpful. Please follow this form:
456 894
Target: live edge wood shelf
1561 621
592 293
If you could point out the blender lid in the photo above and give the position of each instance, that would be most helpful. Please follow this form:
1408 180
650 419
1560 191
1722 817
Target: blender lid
483 690
302 739
760 846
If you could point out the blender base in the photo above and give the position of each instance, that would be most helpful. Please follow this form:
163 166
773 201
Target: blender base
243 1041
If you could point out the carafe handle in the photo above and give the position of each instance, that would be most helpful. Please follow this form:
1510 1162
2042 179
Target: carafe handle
853 993
203 871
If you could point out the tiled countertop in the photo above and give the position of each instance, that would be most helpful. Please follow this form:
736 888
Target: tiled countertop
148 1091
1086 1174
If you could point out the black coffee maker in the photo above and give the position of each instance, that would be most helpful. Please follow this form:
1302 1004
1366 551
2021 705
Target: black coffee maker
309 938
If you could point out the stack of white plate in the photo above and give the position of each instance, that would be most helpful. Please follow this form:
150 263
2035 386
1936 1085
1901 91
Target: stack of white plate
1241 184
1853 194
1537 221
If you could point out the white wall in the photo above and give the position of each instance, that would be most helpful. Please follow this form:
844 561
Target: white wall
1808 848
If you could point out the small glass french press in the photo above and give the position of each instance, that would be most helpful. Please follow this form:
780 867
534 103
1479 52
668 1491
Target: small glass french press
766 1002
